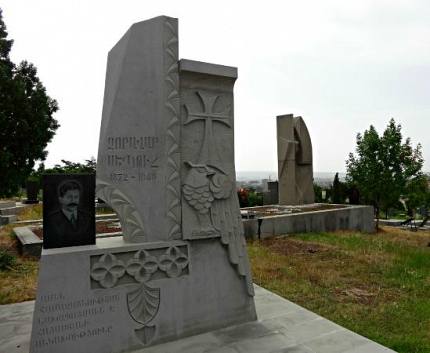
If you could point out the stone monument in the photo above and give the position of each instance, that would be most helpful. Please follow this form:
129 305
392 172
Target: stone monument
295 173
166 166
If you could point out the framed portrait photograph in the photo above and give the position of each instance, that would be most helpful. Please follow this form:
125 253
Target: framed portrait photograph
68 210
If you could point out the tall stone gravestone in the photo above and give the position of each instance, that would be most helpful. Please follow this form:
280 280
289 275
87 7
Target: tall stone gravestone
166 166
295 173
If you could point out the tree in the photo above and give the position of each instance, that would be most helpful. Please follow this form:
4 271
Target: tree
384 166
318 193
417 194
254 198
89 166
339 190
26 118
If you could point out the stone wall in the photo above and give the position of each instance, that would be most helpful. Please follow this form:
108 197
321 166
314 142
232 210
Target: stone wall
358 218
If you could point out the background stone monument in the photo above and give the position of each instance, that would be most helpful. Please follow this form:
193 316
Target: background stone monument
295 174
166 166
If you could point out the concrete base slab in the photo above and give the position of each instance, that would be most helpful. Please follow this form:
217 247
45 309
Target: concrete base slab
28 242
283 327
8 211
7 204
7 219
390 222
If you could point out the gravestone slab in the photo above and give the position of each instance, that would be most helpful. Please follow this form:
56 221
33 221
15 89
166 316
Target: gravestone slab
166 166
138 160
295 173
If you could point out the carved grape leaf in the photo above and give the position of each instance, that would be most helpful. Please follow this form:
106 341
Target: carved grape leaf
143 303
227 220
131 222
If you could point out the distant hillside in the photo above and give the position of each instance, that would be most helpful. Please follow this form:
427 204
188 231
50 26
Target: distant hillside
256 175
259 175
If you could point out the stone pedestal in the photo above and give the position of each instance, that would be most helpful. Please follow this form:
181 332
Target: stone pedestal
116 296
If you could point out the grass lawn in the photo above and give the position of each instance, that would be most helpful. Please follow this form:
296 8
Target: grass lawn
377 285
30 213
18 279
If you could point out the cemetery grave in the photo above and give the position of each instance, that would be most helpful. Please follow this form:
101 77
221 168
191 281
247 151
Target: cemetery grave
9 211
179 278
295 210
166 166
266 221
271 210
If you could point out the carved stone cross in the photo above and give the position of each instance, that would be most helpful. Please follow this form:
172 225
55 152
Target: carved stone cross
208 116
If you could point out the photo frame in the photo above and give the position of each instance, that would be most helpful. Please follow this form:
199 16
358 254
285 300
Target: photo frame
68 210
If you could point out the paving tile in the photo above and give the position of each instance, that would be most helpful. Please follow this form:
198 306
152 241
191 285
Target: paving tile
206 342
296 349
310 330
266 344
370 347
297 317
337 342
241 332
283 327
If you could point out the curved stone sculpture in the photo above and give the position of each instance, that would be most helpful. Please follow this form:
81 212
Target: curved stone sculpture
295 172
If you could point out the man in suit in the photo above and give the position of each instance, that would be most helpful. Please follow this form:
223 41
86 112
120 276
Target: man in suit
69 225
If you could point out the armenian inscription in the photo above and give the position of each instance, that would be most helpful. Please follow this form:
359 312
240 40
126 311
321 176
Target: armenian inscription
61 320
132 158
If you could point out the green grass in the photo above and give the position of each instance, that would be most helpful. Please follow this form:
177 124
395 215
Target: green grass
19 283
377 285
18 279
31 212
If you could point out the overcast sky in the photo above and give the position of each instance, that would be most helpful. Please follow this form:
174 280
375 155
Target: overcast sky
341 65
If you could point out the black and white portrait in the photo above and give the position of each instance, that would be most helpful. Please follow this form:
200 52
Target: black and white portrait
68 210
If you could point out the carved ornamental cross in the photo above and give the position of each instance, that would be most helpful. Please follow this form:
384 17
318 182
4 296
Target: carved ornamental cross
208 116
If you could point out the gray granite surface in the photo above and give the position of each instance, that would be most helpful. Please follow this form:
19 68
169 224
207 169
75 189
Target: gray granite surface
295 170
282 327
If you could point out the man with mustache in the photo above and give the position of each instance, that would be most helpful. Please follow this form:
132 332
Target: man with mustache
68 226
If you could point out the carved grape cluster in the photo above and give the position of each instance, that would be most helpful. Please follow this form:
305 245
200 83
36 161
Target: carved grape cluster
109 269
